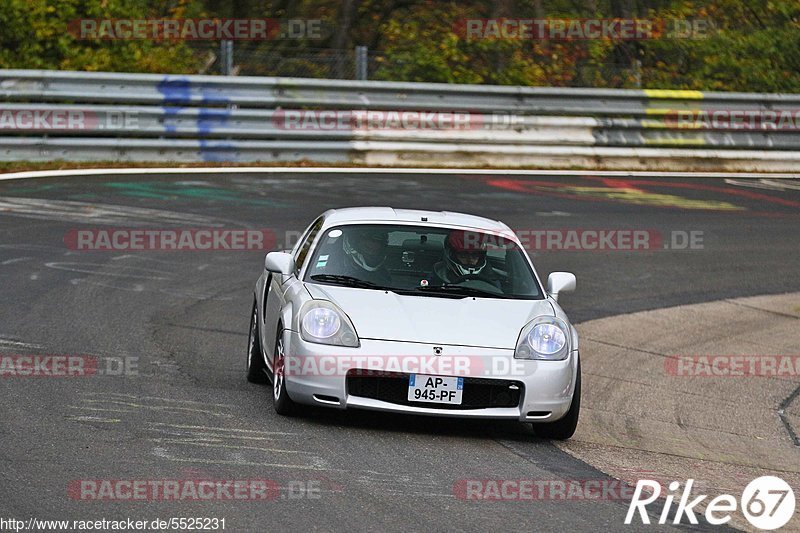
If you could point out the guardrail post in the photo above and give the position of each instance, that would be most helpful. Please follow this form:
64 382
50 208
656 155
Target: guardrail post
226 57
361 62
637 73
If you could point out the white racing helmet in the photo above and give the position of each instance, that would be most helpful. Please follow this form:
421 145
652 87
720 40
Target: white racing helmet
366 247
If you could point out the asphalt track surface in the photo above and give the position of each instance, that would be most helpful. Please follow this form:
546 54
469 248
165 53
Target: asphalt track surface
188 413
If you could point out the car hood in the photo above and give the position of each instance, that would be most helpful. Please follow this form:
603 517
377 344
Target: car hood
478 322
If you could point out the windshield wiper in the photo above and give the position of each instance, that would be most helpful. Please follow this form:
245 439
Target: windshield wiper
451 291
458 289
348 281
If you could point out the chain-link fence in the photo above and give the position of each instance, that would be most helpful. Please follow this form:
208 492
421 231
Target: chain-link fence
245 58
302 63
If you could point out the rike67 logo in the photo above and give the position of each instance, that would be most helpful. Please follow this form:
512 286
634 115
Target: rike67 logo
767 503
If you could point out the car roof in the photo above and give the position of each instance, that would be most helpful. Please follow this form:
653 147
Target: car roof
388 215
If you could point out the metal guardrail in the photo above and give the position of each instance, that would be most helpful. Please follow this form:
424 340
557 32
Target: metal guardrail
80 116
263 92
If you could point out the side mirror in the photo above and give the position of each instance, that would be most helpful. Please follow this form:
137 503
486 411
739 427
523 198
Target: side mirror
560 282
279 262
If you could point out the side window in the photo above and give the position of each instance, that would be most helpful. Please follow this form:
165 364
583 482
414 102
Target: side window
302 252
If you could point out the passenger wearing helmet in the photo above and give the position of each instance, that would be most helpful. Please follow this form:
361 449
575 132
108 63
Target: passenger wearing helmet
364 254
464 258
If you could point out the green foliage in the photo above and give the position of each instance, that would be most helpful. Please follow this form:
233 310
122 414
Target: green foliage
751 46
36 35
435 49
746 47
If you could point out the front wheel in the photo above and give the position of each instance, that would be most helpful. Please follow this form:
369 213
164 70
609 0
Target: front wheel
283 405
563 428
256 368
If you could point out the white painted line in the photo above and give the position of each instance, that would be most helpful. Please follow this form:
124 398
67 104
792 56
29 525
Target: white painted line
221 428
381 170
18 344
82 212
765 184
782 184
15 260
99 269
93 419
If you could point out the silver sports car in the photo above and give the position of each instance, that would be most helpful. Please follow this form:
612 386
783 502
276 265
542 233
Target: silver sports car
428 313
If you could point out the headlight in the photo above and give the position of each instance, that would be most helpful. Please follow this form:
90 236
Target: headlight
324 323
544 338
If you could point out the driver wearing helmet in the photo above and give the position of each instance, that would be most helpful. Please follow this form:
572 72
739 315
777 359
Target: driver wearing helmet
464 258
364 254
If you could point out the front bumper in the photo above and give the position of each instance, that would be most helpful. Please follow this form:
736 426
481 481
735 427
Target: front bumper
317 374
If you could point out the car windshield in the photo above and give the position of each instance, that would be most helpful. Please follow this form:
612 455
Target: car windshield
424 261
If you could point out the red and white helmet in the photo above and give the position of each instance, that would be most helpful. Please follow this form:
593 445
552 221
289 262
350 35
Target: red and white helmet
465 252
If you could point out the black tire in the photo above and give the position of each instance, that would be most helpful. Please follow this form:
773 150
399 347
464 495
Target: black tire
256 369
281 401
563 428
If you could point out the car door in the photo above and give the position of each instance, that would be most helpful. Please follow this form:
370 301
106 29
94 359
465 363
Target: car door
277 288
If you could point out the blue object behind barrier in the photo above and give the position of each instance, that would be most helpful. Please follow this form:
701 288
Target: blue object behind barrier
178 94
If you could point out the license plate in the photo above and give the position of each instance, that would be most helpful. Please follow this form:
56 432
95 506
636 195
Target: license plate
435 389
